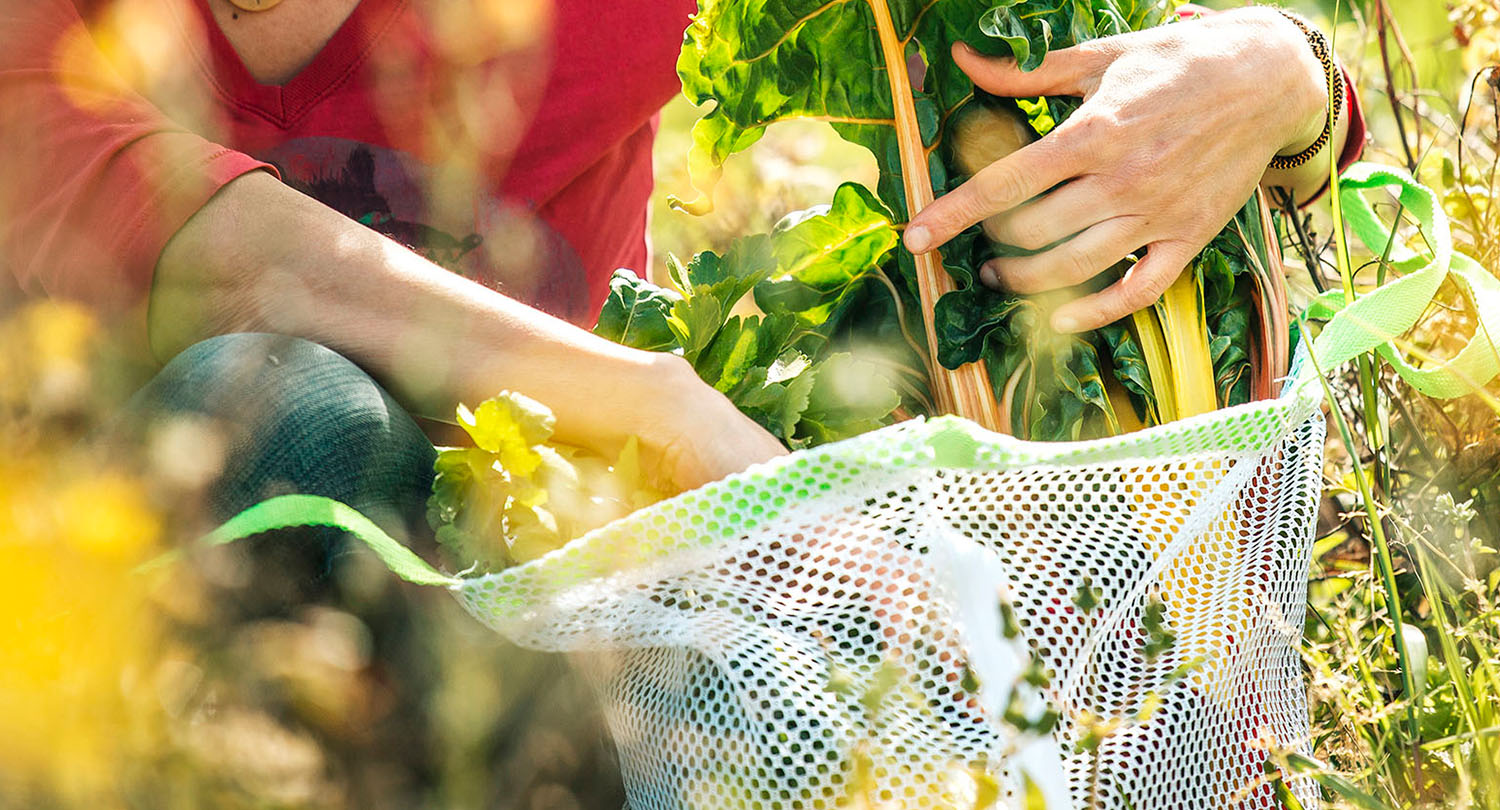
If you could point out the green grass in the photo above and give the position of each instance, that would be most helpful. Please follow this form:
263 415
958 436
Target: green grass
1402 642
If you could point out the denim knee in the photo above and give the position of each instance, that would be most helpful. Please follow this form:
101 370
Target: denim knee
294 416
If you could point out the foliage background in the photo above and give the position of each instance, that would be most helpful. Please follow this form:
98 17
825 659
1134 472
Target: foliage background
281 674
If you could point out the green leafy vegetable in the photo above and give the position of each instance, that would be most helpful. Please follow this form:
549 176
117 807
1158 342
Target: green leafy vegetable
754 64
1031 29
819 59
824 255
635 313
788 368
513 497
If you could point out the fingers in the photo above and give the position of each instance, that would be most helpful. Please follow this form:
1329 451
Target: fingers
1031 170
1073 262
1141 285
748 444
1067 72
1053 217
998 187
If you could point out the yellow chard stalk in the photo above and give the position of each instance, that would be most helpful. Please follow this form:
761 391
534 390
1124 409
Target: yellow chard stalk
1185 327
1174 339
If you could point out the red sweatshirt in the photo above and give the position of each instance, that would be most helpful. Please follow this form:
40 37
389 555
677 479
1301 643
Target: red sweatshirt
105 156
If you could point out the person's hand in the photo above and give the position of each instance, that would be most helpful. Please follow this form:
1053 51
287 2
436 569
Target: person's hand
696 435
1177 126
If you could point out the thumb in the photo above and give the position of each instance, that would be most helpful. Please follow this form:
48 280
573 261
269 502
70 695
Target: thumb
1067 72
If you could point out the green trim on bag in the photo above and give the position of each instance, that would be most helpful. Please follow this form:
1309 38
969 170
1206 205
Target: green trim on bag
1373 321
285 511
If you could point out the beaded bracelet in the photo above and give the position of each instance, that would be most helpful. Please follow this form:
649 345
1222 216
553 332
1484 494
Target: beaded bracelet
1324 52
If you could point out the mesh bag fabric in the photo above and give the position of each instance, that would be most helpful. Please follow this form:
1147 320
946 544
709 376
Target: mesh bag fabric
714 623
889 621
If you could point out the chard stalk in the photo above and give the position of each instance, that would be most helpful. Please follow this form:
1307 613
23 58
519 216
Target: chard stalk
1174 341
1008 398
1273 356
1146 326
1126 418
964 391
1185 327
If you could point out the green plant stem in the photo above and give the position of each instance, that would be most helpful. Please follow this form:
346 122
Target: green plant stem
1383 23
917 348
1382 549
1383 559
1475 689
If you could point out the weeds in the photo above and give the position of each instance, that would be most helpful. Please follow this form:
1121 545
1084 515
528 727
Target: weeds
1403 636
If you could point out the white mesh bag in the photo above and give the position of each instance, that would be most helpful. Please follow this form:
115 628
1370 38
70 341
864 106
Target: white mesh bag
717 623
892 621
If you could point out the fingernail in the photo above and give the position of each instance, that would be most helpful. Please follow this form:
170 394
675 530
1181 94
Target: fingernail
1065 323
989 276
967 48
918 239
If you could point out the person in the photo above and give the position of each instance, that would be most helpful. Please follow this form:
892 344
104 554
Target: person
391 182
319 170
325 217
332 221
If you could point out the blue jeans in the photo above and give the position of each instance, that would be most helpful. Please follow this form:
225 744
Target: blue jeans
294 417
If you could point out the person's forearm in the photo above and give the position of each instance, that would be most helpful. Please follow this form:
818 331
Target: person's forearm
263 257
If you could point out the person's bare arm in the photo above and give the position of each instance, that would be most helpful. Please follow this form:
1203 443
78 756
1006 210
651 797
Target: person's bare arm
263 257
1304 182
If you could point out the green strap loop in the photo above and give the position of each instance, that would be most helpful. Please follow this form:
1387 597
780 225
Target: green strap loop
285 511
1374 320
1478 361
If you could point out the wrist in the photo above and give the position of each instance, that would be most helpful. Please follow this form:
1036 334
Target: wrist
1307 83
662 391
1289 78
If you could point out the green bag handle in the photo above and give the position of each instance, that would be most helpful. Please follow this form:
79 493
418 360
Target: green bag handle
285 511
1374 320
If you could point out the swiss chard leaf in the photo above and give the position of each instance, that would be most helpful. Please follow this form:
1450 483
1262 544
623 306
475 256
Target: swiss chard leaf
1066 396
849 396
777 396
711 286
824 254
807 275
742 345
1224 275
1129 366
1031 29
636 312
759 63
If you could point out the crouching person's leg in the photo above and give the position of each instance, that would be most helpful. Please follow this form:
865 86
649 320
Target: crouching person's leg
284 415
313 636
299 630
